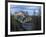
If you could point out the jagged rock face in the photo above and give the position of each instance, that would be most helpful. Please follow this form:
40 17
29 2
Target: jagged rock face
22 17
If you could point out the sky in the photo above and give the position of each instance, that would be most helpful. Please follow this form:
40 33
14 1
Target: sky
29 9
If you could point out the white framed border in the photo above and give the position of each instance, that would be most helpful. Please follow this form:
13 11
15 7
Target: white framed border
24 32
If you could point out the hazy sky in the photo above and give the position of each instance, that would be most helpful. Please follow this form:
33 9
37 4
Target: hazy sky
29 9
